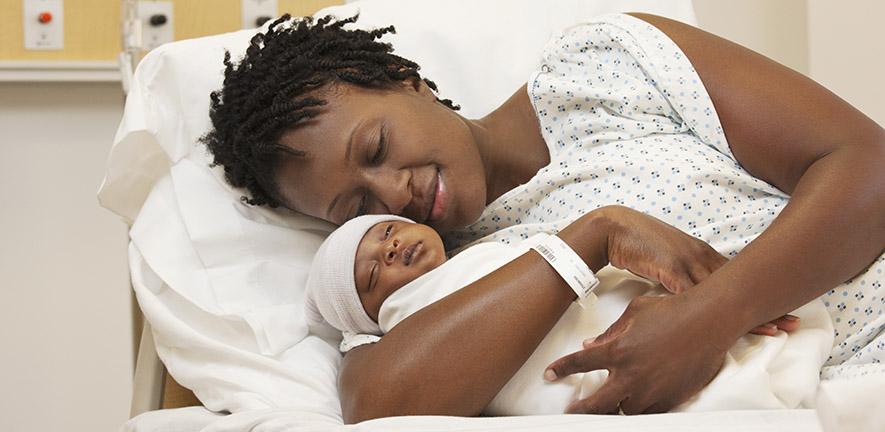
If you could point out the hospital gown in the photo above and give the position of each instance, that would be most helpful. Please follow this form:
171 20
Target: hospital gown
627 121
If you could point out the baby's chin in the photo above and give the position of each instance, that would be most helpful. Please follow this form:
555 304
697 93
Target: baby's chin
426 267
438 259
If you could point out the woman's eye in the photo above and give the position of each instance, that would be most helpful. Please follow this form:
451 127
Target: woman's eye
361 210
380 151
387 232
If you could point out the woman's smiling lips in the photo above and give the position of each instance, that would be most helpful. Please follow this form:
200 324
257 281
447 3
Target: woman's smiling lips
440 199
429 200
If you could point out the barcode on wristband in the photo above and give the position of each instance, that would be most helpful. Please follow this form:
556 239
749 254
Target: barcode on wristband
568 264
546 253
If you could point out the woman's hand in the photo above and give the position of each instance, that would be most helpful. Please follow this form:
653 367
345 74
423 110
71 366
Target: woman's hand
652 249
652 367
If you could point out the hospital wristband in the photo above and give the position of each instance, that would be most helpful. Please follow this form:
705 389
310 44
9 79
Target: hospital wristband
568 264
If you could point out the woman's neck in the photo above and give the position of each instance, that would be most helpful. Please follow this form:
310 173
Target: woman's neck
510 144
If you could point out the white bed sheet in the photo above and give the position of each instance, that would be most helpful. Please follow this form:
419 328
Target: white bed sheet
197 419
853 404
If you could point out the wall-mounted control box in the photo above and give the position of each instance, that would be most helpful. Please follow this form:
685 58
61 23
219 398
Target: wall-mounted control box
44 24
257 12
156 23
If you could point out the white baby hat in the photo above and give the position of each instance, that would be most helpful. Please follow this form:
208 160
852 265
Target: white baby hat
331 289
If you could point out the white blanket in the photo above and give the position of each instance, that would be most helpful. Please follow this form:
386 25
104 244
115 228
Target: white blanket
760 372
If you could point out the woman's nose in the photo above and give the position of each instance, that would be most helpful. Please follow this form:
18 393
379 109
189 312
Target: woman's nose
392 189
391 250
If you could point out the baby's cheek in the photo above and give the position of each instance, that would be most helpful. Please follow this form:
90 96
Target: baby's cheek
413 274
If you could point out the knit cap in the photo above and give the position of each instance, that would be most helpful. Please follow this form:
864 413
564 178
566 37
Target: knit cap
331 294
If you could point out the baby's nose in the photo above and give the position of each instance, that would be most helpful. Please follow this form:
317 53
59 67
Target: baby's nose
392 251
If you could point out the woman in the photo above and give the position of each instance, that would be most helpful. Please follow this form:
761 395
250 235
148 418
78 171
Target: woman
329 123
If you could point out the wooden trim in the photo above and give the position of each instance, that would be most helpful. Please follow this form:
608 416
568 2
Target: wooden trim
175 395
59 71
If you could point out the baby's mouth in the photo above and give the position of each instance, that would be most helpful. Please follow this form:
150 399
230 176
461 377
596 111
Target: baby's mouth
411 252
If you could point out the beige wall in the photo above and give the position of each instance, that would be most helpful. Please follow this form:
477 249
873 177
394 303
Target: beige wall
777 29
838 44
65 315
847 51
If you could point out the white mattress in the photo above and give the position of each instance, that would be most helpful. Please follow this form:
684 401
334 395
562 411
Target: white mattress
846 404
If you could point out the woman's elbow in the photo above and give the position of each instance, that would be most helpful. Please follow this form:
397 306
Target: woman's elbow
363 392
364 400
360 409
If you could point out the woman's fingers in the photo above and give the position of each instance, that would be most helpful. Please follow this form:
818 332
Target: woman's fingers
631 406
699 273
680 283
768 329
592 357
657 408
787 323
604 401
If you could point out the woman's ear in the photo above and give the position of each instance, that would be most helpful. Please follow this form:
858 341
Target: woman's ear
418 86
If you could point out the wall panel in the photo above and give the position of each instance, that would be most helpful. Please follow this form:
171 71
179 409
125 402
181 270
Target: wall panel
92 27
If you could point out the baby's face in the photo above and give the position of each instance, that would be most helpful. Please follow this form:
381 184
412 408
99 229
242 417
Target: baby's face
390 255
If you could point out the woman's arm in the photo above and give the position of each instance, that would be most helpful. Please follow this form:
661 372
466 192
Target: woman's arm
796 135
453 356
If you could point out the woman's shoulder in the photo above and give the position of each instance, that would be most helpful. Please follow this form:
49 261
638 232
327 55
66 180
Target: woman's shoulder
607 32
628 68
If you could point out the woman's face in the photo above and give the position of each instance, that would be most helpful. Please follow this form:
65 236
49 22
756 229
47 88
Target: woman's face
390 255
384 151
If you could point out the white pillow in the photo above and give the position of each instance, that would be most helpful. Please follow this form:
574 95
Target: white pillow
222 282
481 52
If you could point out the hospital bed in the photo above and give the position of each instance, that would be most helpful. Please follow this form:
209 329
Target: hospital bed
247 354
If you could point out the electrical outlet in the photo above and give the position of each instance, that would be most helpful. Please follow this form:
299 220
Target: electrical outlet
157 26
44 24
256 12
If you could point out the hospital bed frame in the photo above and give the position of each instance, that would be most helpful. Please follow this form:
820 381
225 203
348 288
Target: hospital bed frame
152 387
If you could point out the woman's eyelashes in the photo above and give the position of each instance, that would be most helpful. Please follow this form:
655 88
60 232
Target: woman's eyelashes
380 149
361 207
377 157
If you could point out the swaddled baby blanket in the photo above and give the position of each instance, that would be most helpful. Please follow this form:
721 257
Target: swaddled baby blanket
760 372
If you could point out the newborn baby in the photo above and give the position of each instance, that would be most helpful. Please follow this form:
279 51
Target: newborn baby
375 271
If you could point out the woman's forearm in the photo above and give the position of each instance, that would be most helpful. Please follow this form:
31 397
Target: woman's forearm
452 357
789 131
832 228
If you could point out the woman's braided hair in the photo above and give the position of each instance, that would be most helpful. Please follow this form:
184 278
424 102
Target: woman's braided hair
268 92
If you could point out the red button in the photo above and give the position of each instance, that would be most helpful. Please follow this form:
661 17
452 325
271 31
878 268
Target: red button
44 17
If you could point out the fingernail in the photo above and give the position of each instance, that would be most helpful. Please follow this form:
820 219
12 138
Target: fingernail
588 341
549 375
791 318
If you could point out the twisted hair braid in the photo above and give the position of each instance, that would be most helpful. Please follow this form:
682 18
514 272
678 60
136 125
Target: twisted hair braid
269 92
